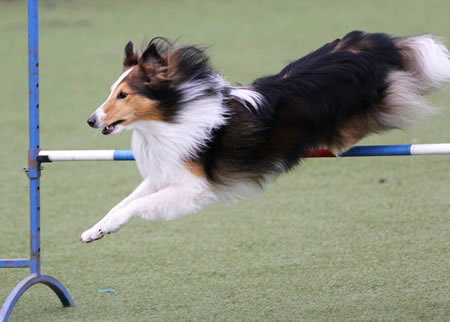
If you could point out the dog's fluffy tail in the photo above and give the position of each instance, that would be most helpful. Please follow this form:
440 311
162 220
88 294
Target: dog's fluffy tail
427 59
426 67
423 65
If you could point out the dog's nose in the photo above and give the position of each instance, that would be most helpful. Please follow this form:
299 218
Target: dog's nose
92 121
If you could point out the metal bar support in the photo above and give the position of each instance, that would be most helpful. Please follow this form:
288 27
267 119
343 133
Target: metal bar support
34 173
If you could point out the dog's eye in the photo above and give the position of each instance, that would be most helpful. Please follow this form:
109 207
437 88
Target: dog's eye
122 95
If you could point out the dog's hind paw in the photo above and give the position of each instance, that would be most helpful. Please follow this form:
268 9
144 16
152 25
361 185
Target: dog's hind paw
91 234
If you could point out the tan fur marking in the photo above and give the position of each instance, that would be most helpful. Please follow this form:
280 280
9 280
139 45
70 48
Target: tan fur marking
351 132
338 46
342 46
195 168
352 50
133 108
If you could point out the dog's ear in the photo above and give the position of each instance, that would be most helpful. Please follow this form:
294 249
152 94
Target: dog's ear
129 49
153 63
151 55
130 58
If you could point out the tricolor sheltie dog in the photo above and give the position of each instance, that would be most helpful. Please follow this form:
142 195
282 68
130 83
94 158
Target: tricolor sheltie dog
197 139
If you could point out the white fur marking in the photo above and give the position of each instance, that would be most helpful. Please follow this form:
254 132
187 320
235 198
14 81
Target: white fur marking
250 96
120 79
160 148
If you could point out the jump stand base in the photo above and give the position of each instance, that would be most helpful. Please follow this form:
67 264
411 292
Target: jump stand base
25 284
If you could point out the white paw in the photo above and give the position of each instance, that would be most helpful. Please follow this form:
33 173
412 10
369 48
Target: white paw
92 234
109 224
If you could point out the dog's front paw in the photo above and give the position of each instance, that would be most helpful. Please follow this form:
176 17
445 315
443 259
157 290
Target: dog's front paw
92 234
109 224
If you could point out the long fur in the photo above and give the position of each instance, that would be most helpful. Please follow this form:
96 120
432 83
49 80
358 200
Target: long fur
197 139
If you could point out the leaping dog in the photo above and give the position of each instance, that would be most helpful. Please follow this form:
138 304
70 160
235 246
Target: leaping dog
198 140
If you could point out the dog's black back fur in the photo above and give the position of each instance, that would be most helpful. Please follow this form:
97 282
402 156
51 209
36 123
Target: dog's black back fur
307 104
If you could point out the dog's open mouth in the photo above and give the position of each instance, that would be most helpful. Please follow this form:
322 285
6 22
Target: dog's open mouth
110 128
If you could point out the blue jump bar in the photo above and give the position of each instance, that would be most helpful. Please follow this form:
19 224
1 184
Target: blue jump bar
378 150
123 155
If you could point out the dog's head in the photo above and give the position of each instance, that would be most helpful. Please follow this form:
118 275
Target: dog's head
150 87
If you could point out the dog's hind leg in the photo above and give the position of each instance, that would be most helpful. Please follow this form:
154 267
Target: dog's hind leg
169 203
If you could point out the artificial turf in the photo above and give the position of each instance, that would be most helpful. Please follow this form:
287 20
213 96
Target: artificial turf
339 239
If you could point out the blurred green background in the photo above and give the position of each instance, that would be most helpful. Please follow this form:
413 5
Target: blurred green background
341 239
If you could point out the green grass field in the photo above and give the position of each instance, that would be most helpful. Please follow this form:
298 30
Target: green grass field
328 242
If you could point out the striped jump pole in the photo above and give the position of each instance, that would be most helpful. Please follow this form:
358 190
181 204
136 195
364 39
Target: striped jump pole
323 152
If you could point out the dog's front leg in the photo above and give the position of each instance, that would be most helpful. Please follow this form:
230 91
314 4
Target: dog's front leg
168 203
141 190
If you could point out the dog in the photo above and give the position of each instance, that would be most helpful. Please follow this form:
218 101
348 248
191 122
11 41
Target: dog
199 140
